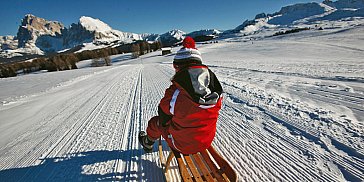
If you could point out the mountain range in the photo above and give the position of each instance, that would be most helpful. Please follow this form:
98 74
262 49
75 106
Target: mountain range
37 36
304 15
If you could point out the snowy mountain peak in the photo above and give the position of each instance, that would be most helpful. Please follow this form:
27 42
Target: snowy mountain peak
171 37
341 4
41 25
43 36
178 34
289 14
302 8
32 28
93 24
91 30
327 7
213 33
303 14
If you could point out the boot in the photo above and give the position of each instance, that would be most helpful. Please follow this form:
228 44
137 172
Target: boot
146 142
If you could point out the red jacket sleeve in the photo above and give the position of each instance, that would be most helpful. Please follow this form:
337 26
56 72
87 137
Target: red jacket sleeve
164 105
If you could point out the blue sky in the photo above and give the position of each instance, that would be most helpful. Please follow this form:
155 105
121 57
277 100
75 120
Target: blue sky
141 16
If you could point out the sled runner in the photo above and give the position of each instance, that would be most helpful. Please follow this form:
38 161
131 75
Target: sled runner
206 165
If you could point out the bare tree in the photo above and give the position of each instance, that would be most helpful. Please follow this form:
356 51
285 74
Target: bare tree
135 50
95 62
107 60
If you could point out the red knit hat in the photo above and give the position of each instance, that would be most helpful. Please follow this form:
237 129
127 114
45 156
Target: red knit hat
188 42
188 54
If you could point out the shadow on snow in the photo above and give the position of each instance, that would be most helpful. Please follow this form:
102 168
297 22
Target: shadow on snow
74 167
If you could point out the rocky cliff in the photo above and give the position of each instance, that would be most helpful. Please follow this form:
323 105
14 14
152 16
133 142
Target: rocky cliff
52 36
33 27
39 36
8 43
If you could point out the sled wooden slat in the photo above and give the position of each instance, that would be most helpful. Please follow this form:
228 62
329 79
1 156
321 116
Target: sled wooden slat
201 165
226 170
182 168
193 168
169 159
212 166
160 149
207 165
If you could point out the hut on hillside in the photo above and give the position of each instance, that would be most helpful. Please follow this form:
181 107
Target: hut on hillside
166 50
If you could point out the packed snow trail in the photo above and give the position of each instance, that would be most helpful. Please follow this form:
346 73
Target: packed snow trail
86 128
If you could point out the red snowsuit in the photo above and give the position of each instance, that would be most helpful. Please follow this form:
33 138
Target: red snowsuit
189 110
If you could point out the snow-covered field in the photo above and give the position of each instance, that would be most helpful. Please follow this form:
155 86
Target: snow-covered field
293 111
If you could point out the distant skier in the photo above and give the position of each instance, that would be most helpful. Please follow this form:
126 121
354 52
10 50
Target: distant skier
188 112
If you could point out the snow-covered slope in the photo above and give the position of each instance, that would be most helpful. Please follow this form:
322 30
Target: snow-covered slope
293 110
309 15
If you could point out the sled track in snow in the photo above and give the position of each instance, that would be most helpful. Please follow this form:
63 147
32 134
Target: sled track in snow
281 129
263 157
289 74
96 139
353 101
65 112
105 127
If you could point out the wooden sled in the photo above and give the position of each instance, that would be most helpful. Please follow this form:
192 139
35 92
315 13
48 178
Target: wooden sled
207 165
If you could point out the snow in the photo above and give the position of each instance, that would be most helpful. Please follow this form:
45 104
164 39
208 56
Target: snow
93 24
304 15
21 51
340 4
289 14
90 46
327 8
10 54
45 40
209 32
293 110
259 25
175 34
104 33
166 48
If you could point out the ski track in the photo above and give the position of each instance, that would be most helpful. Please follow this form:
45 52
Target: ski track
91 134
288 149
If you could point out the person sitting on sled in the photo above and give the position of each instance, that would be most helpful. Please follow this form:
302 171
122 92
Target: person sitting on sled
188 112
